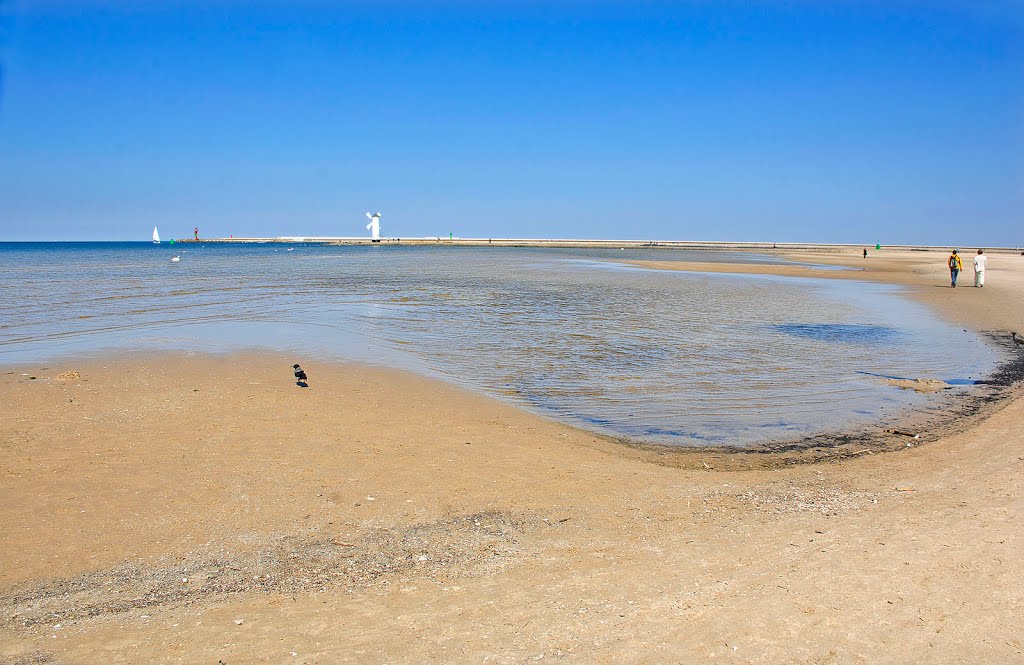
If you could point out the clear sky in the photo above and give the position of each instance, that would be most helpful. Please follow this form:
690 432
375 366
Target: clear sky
889 121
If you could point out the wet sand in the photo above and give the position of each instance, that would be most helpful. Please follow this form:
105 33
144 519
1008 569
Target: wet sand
193 509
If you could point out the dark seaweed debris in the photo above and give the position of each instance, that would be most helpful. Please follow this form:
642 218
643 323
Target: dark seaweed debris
453 547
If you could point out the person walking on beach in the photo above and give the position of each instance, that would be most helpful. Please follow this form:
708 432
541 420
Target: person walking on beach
865 252
955 266
979 268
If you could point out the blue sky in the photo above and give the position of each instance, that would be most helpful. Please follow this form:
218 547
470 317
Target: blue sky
897 122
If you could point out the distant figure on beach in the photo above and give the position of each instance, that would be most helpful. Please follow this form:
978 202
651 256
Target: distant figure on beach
195 233
300 377
955 266
865 252
979 268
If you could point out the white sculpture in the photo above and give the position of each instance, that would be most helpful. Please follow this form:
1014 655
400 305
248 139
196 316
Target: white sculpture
374 226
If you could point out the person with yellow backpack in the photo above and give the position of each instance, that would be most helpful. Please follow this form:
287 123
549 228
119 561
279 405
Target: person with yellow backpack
955 266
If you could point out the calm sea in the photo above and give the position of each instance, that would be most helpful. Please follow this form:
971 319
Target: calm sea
672 357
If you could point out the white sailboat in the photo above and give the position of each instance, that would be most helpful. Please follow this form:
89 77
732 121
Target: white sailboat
156 236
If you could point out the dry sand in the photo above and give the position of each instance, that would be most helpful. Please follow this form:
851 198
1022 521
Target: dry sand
205 509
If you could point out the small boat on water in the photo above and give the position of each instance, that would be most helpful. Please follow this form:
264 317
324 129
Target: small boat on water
156 236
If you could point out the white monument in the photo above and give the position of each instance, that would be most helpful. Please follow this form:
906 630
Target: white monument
374 226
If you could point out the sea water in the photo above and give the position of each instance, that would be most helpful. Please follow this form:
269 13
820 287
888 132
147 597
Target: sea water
579 335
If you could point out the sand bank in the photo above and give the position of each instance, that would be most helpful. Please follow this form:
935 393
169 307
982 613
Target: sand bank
196 509
998 306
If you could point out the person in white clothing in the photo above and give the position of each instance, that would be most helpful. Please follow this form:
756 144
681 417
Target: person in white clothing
979 268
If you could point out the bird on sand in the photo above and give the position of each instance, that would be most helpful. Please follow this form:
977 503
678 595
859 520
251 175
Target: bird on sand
1019 341
300 376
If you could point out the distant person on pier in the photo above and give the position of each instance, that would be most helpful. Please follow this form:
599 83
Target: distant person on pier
195 232
979 268
955 266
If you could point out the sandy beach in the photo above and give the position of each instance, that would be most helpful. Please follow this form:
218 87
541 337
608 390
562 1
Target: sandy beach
203 509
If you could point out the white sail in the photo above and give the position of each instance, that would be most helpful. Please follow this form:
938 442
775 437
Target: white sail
156 235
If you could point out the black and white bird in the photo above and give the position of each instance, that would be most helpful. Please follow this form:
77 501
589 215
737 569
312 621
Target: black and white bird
1019 341
300 376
